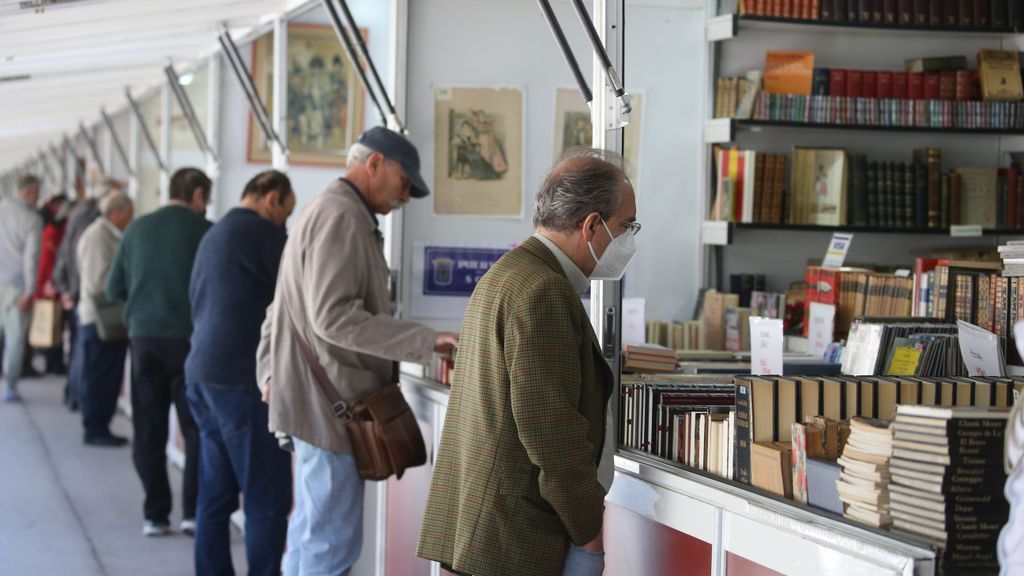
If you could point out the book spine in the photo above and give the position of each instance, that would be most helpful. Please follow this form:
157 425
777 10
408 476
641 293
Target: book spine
743 432
910 10
982 13
935 18
889 12
908 194
874 219
1014 14
966 11
999 16
934 186
951 13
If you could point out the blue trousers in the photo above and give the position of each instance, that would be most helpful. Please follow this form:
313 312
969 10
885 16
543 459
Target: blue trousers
101 376
325 533
14 323
237 453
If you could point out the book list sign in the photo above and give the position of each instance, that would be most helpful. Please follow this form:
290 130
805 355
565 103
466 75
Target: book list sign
766 344
837 250
822 328
447 275
980 350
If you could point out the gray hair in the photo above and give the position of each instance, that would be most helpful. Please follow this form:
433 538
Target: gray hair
116 201
358 154
28 181
584 180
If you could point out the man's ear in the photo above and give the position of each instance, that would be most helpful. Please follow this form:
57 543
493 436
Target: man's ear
374 162
590 224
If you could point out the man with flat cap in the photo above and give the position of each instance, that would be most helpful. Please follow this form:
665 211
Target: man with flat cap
333 288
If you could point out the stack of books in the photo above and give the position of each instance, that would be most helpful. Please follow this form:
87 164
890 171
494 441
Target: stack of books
650 358
1012 254
948 479
864 483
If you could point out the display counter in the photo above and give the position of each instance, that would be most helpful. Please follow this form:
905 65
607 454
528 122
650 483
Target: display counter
665 519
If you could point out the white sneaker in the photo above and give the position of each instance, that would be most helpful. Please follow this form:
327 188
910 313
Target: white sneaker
153 529
188 527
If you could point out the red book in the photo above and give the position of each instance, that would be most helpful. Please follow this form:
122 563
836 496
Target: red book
899 85
816 9
932 85
947 85
837 82
885 84
968 86
869 86
915 85
787 8
854 84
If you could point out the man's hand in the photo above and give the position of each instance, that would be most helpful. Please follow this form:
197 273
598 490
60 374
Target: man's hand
67 302
24 303
446 342
50 289
266 392
597 544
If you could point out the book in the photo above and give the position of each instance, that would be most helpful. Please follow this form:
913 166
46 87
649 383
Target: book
771 468
936 64
974 193
999 72
788 72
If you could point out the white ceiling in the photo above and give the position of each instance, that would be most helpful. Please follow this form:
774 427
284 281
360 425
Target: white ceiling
81 56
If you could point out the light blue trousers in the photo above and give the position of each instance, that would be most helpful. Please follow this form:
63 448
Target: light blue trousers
15 328
325 531
580 562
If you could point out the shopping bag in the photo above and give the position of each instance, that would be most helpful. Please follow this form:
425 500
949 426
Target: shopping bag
47 323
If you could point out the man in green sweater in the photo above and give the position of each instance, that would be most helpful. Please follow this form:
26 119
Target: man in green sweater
151 274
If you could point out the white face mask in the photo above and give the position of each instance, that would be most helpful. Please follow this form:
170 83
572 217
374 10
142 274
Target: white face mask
612 264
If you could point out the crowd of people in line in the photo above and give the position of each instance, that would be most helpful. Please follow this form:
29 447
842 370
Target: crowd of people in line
214 317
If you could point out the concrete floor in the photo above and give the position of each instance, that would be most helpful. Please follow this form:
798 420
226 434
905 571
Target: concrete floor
71 509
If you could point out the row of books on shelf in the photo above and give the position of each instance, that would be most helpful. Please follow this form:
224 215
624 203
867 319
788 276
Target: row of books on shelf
905 347
840 111
932 92
834 187
977 292
976 14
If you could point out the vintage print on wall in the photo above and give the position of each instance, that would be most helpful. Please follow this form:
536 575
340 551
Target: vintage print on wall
478 151
325 97
573 128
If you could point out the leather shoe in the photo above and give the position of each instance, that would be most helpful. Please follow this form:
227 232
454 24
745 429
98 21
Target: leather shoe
107 441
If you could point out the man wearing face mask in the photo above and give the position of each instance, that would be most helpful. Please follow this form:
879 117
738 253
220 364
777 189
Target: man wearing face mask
516 487
333 297
232 284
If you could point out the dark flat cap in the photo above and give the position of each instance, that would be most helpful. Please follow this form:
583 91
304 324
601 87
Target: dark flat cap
396 147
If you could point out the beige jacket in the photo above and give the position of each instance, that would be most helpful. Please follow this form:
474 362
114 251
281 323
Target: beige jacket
95 253
333 282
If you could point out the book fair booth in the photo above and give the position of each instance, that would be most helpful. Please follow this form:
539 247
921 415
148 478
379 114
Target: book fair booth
815 345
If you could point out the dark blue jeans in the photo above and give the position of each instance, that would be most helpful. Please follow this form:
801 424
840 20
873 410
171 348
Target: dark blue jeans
101 376
238 454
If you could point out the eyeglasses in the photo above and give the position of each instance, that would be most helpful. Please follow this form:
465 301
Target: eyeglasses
631 227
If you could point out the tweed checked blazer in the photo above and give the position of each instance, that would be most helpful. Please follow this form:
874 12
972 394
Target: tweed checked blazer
515 479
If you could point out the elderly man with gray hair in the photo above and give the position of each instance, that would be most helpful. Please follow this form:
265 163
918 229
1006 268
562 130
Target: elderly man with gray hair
66 274
516 487
21 232
103 339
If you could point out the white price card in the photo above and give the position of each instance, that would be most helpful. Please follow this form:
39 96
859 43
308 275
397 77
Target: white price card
634 321
822 327
980 350
766 345
837 250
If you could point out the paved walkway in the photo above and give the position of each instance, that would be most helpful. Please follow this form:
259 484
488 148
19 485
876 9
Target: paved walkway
71 509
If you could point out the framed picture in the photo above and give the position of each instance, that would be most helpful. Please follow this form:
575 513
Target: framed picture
478 151
325 97
573 127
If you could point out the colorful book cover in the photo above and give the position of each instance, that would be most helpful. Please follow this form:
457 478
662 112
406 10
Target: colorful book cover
788 72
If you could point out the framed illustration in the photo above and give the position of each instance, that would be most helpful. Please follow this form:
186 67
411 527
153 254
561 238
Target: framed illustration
573 127
478 151
325 97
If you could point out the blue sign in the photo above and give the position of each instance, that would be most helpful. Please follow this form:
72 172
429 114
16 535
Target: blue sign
456 271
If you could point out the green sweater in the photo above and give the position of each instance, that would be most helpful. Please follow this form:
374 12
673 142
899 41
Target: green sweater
152 269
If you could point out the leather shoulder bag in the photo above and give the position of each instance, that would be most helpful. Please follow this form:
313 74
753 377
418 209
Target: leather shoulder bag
382 428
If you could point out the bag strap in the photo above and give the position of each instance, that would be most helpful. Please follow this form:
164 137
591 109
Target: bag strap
339 407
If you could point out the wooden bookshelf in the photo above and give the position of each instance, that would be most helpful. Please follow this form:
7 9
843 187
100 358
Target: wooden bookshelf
729 26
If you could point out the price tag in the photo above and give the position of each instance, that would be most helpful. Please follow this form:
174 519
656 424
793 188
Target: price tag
766 343
837 250
822 327
965 231
980 350
634 320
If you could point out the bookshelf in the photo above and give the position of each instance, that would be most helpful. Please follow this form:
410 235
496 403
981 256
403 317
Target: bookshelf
730 26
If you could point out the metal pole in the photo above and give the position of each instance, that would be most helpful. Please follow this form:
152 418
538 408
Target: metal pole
190 115
92 147
249 88
599 50
145 130
361 44
350 50
563 45
117 141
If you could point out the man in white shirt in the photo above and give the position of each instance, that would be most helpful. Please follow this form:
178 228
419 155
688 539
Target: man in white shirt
21 231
